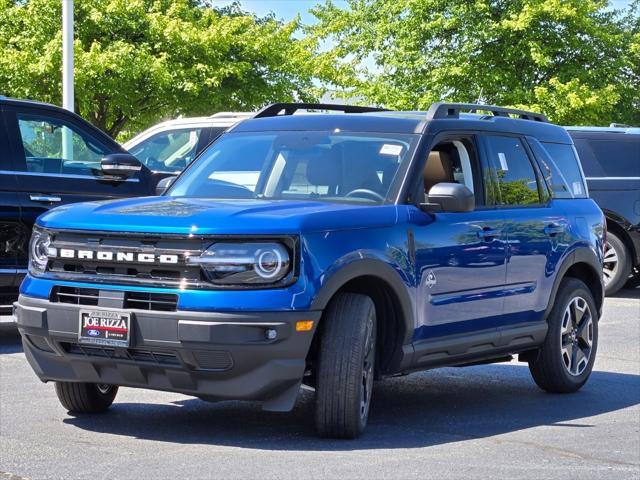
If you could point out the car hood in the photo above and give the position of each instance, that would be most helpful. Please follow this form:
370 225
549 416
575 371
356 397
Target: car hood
208 216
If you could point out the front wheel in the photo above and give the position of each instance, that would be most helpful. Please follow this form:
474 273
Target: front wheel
565 360
346 363
85 397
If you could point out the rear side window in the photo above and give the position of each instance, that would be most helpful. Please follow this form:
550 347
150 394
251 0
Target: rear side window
561 169
618 157
516 179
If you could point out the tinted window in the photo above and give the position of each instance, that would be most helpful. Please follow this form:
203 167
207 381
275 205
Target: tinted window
562 171
612 157
514 174
169 151
52 146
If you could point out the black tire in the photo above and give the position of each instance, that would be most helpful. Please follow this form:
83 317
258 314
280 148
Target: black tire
346 366
85 397
617 278
549 369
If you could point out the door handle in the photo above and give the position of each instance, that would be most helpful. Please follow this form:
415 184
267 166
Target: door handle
44 198
553 229
488 233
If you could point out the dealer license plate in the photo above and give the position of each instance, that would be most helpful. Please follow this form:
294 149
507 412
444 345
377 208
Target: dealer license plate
104 327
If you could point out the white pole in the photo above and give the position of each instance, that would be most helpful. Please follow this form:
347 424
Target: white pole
67 73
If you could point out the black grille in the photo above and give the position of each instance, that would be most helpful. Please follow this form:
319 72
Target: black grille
139 355
213 359
162 302
130 269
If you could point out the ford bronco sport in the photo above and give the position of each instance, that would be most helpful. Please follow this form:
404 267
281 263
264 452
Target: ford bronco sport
329 250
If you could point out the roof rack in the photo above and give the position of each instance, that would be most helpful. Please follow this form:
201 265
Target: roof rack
619 125
290 108
452 110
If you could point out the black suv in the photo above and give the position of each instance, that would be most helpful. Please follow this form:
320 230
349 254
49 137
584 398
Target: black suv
49 157
611 161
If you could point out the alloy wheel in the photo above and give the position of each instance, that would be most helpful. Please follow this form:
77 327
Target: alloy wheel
576 336
611 263
367 369
103 388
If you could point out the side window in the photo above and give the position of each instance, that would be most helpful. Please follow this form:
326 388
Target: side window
52 146
168 151
452 161
515 181
562 171
611 157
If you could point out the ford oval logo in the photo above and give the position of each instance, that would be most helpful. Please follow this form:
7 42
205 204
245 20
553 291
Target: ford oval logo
93 333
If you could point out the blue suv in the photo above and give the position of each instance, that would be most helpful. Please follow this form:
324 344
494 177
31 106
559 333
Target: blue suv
329 250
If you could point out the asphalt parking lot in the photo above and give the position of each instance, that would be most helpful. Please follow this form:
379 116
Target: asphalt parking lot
477 422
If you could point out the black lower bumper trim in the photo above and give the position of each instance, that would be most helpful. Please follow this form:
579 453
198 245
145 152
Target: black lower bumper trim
213 355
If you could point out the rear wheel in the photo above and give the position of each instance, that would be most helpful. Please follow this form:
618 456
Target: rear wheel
617 264
565 360
346 366
85 397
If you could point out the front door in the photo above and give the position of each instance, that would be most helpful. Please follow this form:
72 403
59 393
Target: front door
56 161
9 226
460 257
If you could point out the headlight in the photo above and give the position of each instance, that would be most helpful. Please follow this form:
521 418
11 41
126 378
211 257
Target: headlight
244 263
39 250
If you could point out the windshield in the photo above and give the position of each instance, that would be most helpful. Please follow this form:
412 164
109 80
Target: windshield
341 167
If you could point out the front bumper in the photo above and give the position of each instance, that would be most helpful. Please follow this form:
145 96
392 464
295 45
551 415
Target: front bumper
212 355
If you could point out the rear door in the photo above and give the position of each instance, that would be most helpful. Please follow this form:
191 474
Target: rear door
534 229
56 160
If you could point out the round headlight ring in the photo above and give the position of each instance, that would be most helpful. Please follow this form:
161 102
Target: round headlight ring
268 262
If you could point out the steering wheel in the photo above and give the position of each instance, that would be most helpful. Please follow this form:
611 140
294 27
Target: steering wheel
366 193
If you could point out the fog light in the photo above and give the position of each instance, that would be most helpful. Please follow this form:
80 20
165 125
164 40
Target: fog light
271 334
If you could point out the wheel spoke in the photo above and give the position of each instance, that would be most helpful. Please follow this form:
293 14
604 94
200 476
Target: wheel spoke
610 255
573 367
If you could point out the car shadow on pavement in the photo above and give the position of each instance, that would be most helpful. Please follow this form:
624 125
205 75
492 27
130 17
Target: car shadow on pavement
430 408
633 293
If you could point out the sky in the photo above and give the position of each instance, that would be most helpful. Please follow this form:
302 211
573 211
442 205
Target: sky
288 9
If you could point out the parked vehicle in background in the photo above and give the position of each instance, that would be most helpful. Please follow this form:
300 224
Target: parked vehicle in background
50 157
327 250
170 146
610 158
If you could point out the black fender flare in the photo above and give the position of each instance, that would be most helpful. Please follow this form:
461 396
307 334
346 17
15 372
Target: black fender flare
579 255
374 268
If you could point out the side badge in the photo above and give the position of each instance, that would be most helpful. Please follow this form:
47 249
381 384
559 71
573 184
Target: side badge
431 279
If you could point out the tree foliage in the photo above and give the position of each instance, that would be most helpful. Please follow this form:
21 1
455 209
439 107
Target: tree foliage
578 61
138 61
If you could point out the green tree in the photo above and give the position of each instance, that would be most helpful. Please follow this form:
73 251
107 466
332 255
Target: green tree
138 61
575 60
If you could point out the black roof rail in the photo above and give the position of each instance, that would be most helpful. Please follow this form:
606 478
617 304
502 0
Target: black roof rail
290 108
452 110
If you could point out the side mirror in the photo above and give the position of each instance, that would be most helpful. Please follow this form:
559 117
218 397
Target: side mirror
449 197
163 184
121 165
